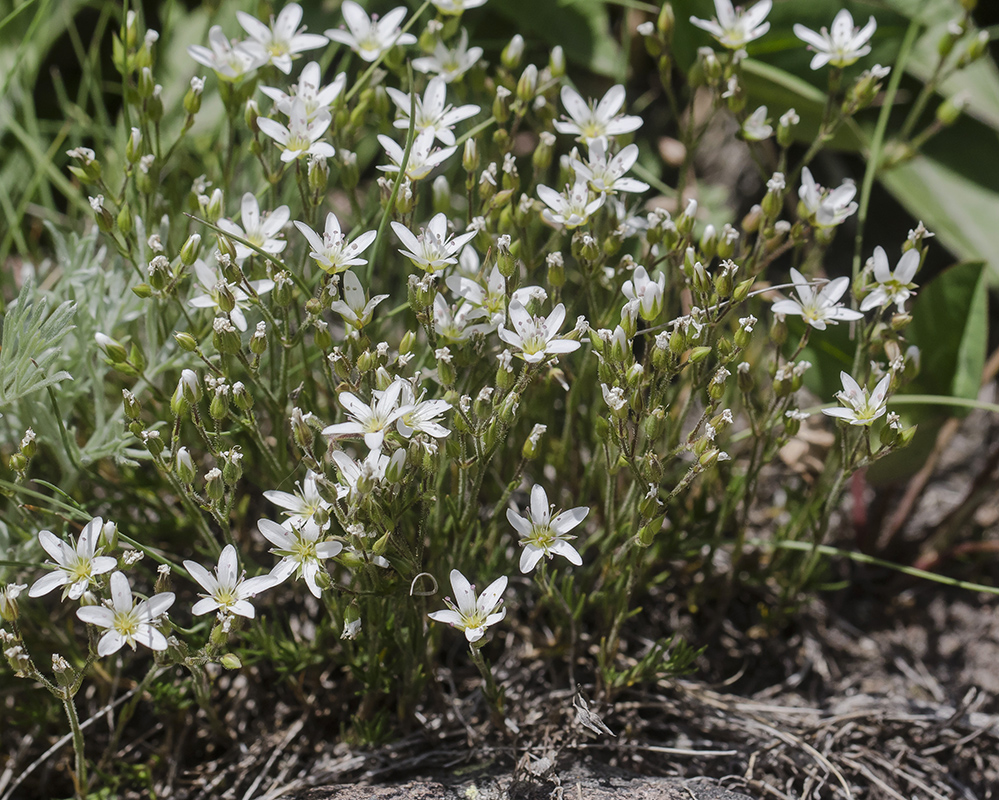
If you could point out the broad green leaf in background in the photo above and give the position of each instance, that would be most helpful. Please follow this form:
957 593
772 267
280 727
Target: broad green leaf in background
950 327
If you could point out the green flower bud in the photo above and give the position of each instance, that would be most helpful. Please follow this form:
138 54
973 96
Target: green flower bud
513 52
258 342
192 100
187 342
113 349
219 407
214 487
501 104
231 661
131 406
527 86
153 442
190 249
698 354
556 62
225 337
232 466
184 466
242 398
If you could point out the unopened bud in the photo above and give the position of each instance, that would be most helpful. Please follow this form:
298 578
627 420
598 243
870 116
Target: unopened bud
512 53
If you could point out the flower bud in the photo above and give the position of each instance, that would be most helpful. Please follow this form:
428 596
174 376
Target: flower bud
219 406
214 487
184 465
445 367
232 466
231 661
105 222
951 108
152 442
133 146
527 86
113 349
192 100
512 53
501 104
187 342
225 337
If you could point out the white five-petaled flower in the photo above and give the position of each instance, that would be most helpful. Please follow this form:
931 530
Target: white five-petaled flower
826 207
369 37
452 7
543 535
572 208
842 45
645 293
459 324
450 64
228 591
211 279
301 136
360 476
817 308
127 622
230 60
355 308
434 248
606 174
756 128
423 157
332 251
301 549
309 90
591 120
472 614
536 337
491 297
733 27
862 408
371 421
76 568
282 39
892 287
302 506
422 415
432 111
259 229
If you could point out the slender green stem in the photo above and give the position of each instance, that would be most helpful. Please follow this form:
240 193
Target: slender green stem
78 743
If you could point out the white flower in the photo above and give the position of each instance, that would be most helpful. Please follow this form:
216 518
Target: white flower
369 37
450 64
733 27
259 229
432 113
535 337
826 208
614 396
360 477
840 47
423 158
370 421
308 89
283 38
455 325
451 7
8 600
333 252
302 506
74 568
355 307
230 60
301 137
541 535
862 408
127 622
433 249
756 128
422 415
591 120
228 592
211 280
572 208
605 174
892 287
820 308
302 551
645 293
472 615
